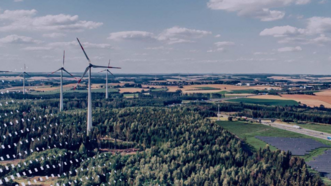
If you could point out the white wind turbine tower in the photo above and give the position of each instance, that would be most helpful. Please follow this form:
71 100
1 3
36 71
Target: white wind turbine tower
23 74
62 69
107 71
89 97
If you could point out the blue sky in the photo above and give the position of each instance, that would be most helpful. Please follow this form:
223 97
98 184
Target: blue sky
147 36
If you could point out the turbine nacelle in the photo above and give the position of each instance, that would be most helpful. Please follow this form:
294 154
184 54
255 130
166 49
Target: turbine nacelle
62 68
90 66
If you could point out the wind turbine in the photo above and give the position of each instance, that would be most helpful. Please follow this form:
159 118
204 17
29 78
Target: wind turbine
24 73
107 71
89 97
62 69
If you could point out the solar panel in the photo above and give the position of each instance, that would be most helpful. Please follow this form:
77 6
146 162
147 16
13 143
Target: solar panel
297 146
322 164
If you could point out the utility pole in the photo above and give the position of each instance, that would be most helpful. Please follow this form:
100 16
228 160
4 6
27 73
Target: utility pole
218 113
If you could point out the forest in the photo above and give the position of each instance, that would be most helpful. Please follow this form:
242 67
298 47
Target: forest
160 145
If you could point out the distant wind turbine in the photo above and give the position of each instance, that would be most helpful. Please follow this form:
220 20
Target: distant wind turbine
62 69
107 71
89 97
23 74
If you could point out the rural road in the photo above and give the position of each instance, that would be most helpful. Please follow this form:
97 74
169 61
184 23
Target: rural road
308 132
224 99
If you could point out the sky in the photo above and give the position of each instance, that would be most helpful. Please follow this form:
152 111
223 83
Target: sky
172 36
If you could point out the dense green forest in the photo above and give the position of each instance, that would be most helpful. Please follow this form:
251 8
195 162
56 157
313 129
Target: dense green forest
173 146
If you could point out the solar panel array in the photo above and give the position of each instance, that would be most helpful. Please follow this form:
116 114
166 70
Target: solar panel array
322 164
298 146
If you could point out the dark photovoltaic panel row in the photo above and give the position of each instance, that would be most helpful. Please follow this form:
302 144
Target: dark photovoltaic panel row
298 146
322 164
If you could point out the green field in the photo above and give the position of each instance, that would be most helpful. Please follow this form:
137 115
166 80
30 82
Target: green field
248 91
248 131
158 89
273 102
207 88
130 95
233 95
317 127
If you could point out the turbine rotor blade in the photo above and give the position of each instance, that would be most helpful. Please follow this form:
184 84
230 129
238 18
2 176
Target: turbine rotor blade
101 71
87 68
97 66
110 72
26 73
88 59
55 71
68 73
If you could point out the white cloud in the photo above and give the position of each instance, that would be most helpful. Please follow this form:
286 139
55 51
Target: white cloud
302 2
217 50
221 46
315 25
256 59
224 43
135 60
282 31
299 16
18 0
98 57
54 35
180 32
270 15
330 58
37 48
171 41
159 48
172 35
96 45
319 25
289 34
321 40
25 20
322 2
17 14
259 9
259 53
132 35
290 49
263 53
16 39
218 35
75 44
294 40
176 35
